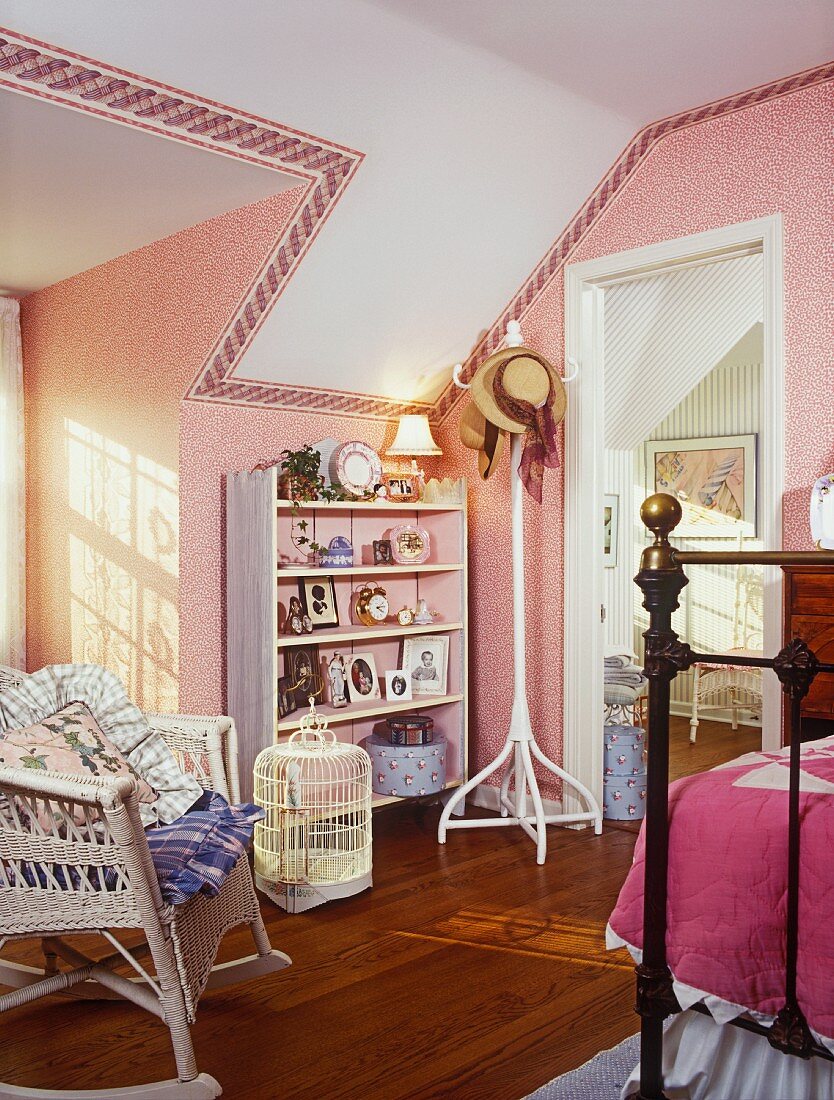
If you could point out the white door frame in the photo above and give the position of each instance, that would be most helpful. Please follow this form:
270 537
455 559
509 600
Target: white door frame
584 488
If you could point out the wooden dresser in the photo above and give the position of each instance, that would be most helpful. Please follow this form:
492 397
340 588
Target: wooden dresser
809 615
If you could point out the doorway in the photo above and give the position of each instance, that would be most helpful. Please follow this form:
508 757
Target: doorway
597 409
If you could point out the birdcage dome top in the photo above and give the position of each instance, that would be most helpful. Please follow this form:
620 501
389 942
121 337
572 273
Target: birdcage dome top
312 739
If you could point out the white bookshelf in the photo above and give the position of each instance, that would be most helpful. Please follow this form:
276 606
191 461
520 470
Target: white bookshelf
264 569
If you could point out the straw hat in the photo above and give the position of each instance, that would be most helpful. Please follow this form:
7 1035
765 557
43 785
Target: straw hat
481 435
527 377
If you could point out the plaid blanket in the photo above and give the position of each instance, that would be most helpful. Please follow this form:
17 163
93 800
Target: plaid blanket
196 853
193 855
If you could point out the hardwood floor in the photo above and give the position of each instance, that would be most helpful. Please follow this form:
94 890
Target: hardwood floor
466 972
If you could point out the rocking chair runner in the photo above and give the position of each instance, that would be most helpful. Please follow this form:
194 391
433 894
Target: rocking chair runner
52 884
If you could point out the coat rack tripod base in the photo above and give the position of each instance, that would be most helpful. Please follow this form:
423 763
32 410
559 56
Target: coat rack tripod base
520 747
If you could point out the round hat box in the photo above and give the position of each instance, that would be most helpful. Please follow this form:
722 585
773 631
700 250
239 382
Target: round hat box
406 771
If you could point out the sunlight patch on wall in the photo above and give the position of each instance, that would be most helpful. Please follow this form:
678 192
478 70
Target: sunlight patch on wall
124 553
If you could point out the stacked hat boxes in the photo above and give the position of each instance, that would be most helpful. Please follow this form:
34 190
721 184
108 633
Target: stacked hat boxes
407 760
624 773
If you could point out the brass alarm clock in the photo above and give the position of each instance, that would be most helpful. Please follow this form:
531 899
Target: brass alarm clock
371 605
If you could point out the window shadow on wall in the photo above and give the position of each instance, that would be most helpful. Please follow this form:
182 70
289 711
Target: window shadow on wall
123 546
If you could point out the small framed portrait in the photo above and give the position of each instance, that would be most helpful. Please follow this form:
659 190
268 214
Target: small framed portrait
383 554
318 595
362 680
610 529
398 684
286 697
301 668
410 544
401 488
426 661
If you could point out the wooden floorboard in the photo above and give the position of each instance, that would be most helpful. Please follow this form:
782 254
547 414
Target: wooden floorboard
466 972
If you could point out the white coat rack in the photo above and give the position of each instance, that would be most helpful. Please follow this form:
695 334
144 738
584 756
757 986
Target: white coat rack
516 757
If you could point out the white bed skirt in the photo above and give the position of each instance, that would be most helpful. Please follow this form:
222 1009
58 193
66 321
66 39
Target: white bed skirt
703 1060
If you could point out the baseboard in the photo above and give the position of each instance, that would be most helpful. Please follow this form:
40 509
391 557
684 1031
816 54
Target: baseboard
487 797
683 710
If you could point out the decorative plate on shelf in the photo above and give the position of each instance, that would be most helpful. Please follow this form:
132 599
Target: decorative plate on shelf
358 467
822 512
410 545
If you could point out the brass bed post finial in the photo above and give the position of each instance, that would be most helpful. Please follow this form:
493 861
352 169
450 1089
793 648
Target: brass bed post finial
661 513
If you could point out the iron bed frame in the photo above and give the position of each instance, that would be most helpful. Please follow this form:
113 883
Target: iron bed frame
661 579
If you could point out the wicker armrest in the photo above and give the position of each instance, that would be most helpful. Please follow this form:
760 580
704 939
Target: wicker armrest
107 793
205 745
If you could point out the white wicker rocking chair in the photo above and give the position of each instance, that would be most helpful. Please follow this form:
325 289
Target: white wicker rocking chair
182 940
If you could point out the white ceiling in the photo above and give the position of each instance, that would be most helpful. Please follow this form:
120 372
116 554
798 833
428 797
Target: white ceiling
644 59
76 191
485 125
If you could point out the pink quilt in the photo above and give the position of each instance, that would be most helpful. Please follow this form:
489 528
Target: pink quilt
728 857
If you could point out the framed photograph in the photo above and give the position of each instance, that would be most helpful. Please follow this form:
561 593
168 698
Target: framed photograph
713 478
410 544
383 555
398 684
318 595
362 680
301 668
286 697
610 529
426 660
401 488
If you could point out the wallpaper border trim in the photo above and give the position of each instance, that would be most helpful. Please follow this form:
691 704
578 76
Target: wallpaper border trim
34 68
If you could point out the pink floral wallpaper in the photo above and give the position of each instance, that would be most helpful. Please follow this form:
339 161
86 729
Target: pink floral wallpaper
108 355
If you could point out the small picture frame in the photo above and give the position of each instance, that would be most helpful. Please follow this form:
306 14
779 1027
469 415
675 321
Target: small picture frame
286 697
362 679
610 529
398 685
383 554
401 488
301 668
318 595
410 544
426 660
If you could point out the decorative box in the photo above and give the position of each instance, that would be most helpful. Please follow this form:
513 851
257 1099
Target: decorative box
623 797
410 729
406 771
339 554
625 751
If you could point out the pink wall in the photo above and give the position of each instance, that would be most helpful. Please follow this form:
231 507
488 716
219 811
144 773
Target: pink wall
774 157
107 357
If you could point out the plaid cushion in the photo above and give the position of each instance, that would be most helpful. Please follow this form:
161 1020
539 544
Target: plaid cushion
49 689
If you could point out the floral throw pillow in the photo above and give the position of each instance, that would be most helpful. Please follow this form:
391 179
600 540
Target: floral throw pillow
71 742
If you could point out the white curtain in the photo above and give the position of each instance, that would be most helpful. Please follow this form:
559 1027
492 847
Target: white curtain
12 490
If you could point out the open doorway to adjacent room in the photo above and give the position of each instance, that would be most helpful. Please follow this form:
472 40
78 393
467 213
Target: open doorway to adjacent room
680 391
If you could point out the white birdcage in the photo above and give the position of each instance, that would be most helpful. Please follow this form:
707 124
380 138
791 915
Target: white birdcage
314 844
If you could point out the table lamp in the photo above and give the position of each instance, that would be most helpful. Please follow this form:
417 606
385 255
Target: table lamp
414 438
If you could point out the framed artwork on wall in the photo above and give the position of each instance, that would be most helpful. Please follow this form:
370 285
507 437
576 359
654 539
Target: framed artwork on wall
610 529
713 478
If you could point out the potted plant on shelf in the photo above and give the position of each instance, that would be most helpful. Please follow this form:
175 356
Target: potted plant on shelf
300 481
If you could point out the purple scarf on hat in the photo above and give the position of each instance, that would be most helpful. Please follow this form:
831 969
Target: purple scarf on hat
540 444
